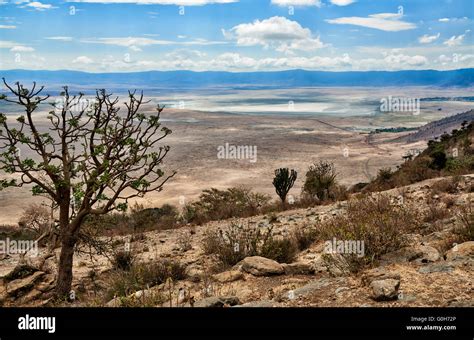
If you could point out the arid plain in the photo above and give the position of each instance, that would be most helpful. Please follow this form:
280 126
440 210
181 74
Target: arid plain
290 128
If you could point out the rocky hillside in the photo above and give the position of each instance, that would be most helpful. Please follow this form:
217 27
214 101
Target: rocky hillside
437 128
430 267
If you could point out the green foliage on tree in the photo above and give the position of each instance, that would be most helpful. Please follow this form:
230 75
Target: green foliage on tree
89 159
283 181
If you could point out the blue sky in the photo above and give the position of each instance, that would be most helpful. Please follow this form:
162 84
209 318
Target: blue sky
236 35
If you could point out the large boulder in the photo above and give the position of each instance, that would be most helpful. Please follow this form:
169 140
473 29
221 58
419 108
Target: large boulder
385 290
461 251
261 266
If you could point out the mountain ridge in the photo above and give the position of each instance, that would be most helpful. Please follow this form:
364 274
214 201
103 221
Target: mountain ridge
280 79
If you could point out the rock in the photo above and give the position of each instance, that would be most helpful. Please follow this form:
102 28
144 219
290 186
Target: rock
261 266
47 283
336 264
194 274
385 290
295 268
228 276
419 254
215 301
258 304
378 274
459 251
314 286
115 302
16 287
445 267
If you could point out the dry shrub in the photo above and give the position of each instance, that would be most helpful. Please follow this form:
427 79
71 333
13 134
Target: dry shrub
214 204
305 237
465 230
375 221
448 185
36 218
143 276
436 211
240 241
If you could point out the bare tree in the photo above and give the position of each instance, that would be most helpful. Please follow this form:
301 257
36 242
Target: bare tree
91 160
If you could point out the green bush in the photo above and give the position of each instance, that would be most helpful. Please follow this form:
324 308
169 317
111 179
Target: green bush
320 180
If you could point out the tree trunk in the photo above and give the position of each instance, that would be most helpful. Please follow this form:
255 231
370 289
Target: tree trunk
64 280
68 242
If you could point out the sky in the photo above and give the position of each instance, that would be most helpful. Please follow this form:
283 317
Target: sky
236 35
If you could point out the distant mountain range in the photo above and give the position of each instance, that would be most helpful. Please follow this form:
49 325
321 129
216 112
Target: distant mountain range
280 79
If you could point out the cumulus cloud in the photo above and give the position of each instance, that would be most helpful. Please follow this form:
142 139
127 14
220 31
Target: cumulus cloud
276 32
316 3
390 22
426 39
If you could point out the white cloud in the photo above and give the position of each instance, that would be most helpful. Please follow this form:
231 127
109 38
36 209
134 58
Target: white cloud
159 2
83 60
21 48
455 40
60 38
36 5
342 2
426 39
382 21
7 27
316 3
276 32
452 19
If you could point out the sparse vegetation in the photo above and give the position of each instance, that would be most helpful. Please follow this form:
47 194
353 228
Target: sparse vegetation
374 220
214 204
142 276
240 241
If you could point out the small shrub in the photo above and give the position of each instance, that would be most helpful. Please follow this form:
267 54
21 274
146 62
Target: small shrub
123 260
305 237
238 241
465 231
282 250
36 218
142 276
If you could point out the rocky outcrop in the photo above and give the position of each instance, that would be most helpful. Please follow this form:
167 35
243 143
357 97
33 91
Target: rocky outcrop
261 266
